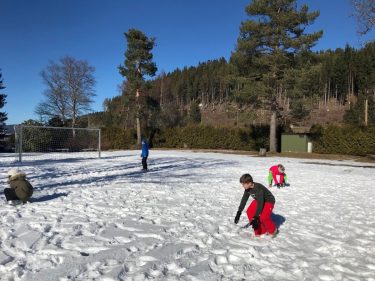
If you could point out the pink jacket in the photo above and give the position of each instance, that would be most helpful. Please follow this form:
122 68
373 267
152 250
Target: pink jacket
275 171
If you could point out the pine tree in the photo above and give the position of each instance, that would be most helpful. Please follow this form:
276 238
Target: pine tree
268 42
3 115
138 63
364 84
194 113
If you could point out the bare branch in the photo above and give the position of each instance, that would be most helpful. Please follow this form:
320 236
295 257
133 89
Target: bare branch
365 15
70 89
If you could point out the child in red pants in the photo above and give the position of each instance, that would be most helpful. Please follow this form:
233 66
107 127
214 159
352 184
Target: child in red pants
260 210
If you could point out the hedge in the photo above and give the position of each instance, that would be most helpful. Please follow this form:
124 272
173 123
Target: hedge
331 139
352 140
193 136
206 137
118 138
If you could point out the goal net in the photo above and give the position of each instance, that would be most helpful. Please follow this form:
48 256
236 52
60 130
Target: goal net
39 142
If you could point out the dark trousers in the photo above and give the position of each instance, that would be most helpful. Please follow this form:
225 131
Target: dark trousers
10 194
144 163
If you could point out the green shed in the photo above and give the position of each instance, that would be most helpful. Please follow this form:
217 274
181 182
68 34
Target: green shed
297 141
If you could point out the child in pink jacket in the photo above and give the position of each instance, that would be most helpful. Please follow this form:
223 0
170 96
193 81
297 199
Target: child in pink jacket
277 174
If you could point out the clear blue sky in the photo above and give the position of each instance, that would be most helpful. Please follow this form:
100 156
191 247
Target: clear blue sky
187 32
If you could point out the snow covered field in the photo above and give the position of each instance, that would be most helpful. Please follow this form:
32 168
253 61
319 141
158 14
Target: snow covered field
103 219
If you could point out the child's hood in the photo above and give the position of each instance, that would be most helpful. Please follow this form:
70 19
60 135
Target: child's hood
15 175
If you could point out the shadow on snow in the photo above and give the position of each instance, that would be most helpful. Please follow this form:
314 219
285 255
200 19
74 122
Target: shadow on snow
48 197
278 220
163 171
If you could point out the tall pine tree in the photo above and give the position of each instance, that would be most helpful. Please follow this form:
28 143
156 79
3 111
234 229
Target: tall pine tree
3 115
268 42
138 63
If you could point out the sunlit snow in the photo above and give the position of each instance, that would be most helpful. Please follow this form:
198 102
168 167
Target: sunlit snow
105 219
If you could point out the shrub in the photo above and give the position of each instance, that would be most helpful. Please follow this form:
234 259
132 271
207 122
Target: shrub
205 137
331 139
118 138
351 140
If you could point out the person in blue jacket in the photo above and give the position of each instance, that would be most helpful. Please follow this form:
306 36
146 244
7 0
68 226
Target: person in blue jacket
144 154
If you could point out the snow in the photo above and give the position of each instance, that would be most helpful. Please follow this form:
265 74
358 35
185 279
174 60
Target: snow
104 219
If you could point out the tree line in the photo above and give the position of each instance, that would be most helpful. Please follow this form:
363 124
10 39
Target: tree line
272 68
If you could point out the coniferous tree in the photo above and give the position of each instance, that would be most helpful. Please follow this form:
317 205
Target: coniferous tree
364 86
138 63
366 69
3 115
194 113
299 111
356 114
269 40
341 74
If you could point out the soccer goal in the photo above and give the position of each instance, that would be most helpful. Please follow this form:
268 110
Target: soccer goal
40 142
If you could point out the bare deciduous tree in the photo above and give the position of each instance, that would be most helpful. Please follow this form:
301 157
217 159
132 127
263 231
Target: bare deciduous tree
365 15
70 89
56 97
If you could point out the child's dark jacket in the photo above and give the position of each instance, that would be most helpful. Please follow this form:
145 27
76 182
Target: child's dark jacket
260 193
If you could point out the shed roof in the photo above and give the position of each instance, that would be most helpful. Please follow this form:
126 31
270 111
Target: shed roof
300 129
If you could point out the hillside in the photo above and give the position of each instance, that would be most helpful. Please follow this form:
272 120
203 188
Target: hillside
231 115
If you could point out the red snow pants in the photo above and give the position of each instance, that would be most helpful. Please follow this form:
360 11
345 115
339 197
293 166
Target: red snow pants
266 223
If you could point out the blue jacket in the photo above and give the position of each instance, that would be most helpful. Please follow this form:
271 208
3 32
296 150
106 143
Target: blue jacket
144 149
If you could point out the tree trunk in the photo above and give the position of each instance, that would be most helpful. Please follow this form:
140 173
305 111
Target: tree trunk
161 92
138 131
366 112
273 132
126 119
325 94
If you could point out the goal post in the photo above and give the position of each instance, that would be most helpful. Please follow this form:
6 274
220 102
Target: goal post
36 141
